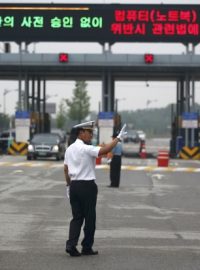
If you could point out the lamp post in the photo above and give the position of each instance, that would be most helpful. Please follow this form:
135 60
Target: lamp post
6 91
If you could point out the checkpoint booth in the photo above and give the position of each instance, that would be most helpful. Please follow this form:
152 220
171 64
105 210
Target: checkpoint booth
188 143
105 126
22 134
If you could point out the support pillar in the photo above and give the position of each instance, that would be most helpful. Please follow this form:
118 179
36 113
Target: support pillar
26 93
32 97
44 96
108 95
38 94
20 79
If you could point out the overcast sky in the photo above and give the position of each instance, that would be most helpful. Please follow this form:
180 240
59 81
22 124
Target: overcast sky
131 95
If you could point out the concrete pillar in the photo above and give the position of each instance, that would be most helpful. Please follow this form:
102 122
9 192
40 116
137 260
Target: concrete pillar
26 93
108 96
33 95
44 96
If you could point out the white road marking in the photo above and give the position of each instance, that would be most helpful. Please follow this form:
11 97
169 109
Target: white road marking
19 164
36 164
5 163
18 171
104 166
134 233
158 176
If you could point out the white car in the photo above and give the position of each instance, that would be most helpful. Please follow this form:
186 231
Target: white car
141 135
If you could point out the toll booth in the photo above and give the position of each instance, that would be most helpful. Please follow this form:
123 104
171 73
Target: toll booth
108 122
185 136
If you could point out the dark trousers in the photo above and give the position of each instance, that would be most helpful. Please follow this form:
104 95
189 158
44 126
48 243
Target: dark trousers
115 170
83 198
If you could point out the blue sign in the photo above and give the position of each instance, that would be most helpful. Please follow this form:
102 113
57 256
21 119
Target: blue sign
190 116
22 115
106 115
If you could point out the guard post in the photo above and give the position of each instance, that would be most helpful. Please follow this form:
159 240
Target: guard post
22 128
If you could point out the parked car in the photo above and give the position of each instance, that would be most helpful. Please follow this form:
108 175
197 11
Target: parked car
60 132
141 135
72 136
6 137
131 136
45 145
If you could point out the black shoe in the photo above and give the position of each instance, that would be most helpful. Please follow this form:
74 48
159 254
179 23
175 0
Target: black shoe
73 251
89 252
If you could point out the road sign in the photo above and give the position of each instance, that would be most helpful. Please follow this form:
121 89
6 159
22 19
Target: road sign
22 114
106 119
106 115
190 120
22 119
100 22
50 107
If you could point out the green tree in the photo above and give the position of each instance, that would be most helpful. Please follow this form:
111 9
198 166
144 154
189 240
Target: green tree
154 122
61 116
79 105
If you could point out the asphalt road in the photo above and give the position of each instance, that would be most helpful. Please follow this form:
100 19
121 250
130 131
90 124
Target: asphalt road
151 222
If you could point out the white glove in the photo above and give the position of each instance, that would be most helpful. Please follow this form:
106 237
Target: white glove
67 191
109 161
122 133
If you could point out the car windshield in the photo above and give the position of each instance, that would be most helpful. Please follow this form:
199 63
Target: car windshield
132 132
51 139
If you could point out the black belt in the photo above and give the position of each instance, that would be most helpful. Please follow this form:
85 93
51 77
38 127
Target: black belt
82 181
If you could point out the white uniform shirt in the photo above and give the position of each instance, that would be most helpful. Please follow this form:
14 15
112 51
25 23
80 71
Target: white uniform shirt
80 159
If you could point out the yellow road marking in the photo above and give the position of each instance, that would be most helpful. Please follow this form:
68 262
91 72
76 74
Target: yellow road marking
103 166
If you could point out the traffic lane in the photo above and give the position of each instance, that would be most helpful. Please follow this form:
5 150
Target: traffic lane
19 162
39 184
152 147
142 223
157 200
149 224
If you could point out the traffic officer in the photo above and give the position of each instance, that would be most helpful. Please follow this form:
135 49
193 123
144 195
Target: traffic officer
79 169
115 164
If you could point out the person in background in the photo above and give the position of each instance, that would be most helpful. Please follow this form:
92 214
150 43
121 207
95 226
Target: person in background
81 189
115 164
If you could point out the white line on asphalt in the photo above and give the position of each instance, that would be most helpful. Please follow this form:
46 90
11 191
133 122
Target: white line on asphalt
147 234
19 164
134 233
171 248
5 163
104 166
57 166
36 164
